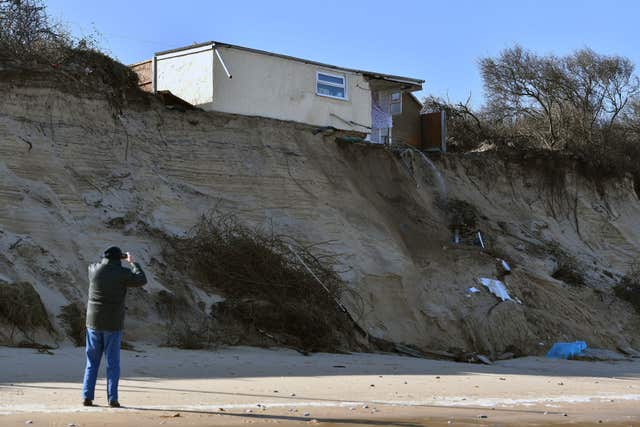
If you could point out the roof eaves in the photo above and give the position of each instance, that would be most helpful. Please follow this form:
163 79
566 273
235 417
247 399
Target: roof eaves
371 74
179 49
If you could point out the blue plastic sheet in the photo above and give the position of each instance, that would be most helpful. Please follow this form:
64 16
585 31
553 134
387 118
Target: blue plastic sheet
565 350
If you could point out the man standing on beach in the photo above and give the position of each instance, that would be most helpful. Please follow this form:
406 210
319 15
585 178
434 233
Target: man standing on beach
108 283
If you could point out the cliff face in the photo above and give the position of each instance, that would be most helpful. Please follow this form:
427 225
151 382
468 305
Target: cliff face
80 172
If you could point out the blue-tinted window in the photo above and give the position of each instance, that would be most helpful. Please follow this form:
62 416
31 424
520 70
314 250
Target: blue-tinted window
323 89
331 79
331 85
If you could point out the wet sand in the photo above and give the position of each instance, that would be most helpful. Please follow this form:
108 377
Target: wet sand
235 386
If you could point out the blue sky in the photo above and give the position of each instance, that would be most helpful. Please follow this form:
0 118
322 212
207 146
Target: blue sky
438 41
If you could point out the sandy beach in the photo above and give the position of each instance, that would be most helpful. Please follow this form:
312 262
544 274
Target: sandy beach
247 385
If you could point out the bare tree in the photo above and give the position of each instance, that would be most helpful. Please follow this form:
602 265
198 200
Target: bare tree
524 87
631 117
25 29
597 88
27 32
466 128
559 100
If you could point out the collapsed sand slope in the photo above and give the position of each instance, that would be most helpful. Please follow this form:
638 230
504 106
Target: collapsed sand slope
542 228
101 173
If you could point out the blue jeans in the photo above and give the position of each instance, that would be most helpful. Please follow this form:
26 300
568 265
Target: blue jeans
98 342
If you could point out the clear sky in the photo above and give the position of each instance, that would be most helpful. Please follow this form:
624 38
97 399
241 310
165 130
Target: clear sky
437 41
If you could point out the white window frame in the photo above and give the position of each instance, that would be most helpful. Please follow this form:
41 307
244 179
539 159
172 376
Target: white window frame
391 103
338 76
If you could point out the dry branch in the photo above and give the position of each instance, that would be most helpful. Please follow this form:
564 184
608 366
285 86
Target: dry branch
272 283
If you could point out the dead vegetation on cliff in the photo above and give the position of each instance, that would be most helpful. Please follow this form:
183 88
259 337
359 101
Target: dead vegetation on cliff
31 41
579 112
22 310
73 317
286 292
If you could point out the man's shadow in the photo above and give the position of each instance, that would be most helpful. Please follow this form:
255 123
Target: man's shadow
265 417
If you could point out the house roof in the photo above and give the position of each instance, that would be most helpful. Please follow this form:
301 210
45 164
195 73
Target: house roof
370 74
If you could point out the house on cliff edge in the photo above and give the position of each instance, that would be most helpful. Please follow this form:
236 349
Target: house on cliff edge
234 79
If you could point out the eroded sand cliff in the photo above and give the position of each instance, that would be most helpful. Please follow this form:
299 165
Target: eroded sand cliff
80 172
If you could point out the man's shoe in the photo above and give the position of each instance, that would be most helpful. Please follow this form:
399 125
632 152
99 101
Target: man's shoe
87 402
114 404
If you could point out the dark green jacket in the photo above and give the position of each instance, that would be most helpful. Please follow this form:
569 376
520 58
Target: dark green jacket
108 283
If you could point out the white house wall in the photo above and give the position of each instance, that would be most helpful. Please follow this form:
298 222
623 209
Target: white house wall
280 88
262 85
187 74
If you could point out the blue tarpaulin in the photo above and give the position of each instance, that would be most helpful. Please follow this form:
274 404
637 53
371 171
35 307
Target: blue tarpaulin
565 350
